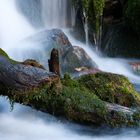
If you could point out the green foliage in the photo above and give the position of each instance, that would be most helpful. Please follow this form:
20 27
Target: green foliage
132 15
94 11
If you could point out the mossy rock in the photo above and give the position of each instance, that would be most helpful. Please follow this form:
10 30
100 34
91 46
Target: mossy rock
79 101
73 102
111 88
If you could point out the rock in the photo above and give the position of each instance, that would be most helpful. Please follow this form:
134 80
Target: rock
54 62
135 66
76 57
113 11
120 36
70 56
84 71
17 76
118 40
111 88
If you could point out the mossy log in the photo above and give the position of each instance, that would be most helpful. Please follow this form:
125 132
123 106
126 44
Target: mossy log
93 99
20 77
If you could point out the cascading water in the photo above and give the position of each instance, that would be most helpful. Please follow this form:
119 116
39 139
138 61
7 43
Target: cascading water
86 28
24 123
58 13
13 26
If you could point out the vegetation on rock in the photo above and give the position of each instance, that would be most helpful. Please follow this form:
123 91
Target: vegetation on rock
111 88
83 100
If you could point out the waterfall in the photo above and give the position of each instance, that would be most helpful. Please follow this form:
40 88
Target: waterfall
24 123
58 13
85 22
13 25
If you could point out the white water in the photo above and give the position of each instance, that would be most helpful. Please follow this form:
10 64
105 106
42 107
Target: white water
55 13
86 28
13 26
24 123
27 124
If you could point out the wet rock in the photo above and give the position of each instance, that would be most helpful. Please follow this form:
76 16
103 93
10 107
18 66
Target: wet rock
76 57
135 66
70 56
84 71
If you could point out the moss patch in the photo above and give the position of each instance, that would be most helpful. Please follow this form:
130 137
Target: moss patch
111 88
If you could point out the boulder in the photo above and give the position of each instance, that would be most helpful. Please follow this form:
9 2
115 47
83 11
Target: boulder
76 57
111 88
70 56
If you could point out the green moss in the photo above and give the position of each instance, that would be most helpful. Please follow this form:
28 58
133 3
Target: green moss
111 88
132 15
93 10
82 100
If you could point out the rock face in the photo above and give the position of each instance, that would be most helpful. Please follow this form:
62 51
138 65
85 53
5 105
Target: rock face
70 56
120 36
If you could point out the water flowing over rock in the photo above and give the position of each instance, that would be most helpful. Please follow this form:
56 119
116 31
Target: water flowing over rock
32 10
71 57
60 13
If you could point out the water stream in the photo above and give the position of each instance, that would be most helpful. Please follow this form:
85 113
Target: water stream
24 123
